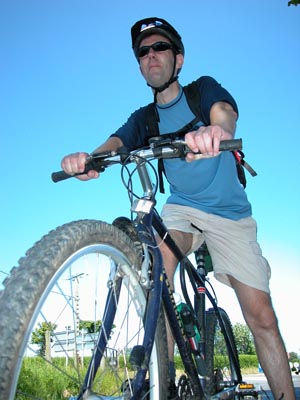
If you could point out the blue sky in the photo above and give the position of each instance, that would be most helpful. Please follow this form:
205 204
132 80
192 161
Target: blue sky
68 79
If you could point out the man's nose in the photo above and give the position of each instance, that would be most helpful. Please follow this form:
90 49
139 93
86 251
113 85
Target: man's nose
151 53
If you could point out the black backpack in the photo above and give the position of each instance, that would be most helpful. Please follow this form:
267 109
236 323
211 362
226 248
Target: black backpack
193 97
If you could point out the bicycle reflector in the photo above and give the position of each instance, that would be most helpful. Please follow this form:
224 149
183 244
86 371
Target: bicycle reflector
246 386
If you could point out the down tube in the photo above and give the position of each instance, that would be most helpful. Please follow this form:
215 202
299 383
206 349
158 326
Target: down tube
150 323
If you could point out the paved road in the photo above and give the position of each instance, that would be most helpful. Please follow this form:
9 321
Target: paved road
260 381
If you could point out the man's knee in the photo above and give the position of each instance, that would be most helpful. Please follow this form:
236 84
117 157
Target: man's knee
257 307
265 320
184 240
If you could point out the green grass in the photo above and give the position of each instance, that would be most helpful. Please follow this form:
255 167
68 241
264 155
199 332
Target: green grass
40 380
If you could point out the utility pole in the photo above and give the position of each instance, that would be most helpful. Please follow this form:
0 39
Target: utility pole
75 279
48 345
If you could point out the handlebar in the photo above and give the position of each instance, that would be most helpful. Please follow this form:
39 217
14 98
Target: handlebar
159 148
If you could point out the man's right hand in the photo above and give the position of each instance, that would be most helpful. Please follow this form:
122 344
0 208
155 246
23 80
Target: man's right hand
75 163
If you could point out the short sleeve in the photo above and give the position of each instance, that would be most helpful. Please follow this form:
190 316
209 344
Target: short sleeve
211 92
133 133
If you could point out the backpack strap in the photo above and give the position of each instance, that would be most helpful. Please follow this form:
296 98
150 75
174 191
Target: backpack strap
241 165
193 97
152 119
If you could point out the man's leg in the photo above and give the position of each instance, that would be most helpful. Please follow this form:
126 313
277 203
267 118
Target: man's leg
261 319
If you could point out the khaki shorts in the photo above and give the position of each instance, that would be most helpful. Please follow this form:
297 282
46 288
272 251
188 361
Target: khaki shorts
232 244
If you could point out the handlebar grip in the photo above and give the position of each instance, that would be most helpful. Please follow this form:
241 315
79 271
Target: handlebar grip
231 145
60 176
91 165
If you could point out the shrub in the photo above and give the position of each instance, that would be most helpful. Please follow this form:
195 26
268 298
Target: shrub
248 361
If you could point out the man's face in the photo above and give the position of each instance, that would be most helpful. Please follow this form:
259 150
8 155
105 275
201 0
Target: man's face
157 66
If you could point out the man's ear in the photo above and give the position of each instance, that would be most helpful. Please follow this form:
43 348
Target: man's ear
179 61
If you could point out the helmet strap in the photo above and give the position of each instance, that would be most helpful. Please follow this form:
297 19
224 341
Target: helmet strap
161 88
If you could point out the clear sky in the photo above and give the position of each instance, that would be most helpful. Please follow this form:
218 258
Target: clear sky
68 79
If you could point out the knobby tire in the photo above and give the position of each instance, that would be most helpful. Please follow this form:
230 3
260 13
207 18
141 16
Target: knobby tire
62 280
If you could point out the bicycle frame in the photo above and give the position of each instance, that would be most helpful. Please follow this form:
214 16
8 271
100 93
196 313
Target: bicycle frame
146 223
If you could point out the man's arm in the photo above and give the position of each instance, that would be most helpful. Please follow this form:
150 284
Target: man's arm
112 143
222 114
207 139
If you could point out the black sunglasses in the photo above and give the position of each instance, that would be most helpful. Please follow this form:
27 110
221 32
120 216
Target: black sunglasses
157 46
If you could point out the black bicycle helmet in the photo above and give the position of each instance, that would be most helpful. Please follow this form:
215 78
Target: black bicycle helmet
152 25
149 26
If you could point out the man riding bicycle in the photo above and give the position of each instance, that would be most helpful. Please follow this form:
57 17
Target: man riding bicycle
207 201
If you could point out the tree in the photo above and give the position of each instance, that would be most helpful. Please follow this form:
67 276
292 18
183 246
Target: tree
293 357
90 326
244 339
293 2
39 336
93 326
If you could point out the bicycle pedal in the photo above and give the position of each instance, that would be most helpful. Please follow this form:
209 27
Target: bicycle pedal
247 391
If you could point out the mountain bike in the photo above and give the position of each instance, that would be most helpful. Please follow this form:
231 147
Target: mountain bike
106 282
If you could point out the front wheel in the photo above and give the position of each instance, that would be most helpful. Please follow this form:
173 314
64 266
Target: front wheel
70 315
222 360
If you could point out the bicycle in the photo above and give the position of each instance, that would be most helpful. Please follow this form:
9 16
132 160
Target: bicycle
127 299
